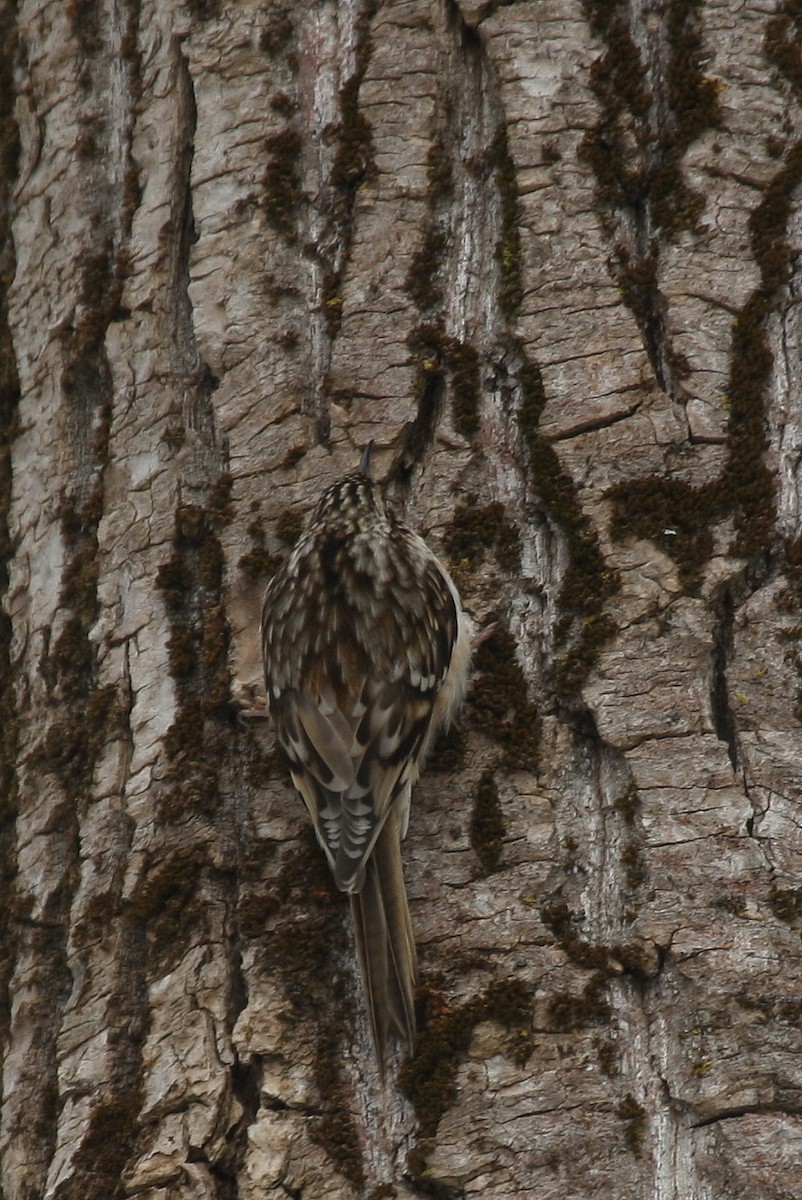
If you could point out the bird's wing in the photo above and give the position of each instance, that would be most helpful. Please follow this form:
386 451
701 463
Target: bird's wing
352 763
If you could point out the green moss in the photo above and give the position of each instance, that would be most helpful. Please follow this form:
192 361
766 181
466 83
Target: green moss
476 530
428 1079
487 824
499 702
282 181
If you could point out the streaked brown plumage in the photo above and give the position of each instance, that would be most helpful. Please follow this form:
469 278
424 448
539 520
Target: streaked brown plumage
367 654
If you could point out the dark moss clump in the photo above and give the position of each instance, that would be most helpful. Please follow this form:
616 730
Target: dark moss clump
429 1078
557 917
353 159
588 582
746 488
487 824
635 959
257 562
448 753
672 514
508 248
786 904
277 33
441 358
9 421
567 1011
783 41
335 1130
167 904
421 283
84 17
282 181
636 148
289 524
475 530
351 167
439 169
308 952
649 117
499 703
607 1052
97 1168
462 360
86 715
635 1116
191 583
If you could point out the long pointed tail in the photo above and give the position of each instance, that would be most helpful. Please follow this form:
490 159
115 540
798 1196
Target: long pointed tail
385 945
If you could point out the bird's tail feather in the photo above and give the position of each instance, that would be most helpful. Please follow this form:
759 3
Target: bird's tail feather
385 945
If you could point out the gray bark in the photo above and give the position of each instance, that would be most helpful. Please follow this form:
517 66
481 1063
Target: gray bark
547 256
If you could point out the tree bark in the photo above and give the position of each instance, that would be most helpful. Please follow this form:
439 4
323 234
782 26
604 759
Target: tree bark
547 257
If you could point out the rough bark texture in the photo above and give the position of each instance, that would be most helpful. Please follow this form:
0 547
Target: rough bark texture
547 256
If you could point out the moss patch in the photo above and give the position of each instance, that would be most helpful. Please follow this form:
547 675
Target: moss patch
429 1078
308 953
9 423
487 824
634 1115
281 183
191 583
508 247
352 166
588 582
649 117
499 703
477 530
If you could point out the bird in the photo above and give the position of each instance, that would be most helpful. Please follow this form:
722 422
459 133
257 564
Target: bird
367 655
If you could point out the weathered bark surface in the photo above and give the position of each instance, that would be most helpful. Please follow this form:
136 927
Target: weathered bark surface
547 256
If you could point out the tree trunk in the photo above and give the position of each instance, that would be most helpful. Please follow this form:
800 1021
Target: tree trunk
547 257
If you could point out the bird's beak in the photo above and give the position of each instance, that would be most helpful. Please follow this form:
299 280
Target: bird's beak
364 466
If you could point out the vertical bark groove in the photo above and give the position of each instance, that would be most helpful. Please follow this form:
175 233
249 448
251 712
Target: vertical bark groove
546 257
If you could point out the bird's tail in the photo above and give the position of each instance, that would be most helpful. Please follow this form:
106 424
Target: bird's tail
385 945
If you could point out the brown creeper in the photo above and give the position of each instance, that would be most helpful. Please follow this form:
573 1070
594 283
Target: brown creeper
367 654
